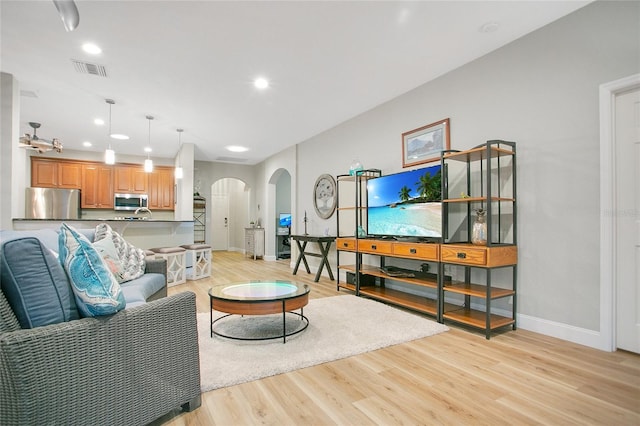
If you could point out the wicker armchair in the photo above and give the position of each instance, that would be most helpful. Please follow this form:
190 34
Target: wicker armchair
125 369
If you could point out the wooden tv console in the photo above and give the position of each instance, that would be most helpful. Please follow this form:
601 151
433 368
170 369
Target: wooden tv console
429 292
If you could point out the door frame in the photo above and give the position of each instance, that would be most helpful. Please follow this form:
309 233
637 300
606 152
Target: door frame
608 220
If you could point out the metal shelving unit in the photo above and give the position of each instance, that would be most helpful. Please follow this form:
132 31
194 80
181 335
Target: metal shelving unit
483 177
351 214
199 219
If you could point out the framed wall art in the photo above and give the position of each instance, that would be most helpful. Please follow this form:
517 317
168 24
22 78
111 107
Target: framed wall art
324 196
424 144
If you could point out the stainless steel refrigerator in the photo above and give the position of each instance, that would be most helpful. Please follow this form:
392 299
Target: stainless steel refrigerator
52 203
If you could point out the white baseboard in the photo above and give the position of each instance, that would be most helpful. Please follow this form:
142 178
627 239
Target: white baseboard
581 336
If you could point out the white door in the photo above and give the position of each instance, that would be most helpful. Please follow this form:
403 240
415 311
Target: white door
627 160
220 222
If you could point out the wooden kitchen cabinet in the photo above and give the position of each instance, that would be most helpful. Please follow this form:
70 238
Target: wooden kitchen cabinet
161 189
51 173
130 179
97 186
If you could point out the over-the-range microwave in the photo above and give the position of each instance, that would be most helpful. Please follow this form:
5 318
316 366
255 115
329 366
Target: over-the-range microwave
130 201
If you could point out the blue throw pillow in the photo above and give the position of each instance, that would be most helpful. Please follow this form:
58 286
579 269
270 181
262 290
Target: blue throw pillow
34 284
96 290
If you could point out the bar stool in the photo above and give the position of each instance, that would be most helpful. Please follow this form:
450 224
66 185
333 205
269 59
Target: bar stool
199 256
176 263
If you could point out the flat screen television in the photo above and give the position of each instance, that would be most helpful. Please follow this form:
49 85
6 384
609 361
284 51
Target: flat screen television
284 220
406 204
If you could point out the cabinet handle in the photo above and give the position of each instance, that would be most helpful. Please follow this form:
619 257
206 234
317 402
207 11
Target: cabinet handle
413 251
374 247
462 255
345 244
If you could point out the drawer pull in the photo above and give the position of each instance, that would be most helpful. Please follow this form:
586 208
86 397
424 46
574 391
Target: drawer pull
345 244
413 251
462 255
374 247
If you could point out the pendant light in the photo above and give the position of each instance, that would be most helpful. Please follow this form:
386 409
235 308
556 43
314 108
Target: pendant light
110 154
179 172
148 163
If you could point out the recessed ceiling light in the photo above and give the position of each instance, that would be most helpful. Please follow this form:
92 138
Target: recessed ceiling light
119 136
236 148
147 149
98 122
91 49
86 143
261 83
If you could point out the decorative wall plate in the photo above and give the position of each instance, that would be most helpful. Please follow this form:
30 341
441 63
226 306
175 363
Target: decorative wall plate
324 196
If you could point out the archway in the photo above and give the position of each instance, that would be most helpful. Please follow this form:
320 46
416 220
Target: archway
229 214
280 193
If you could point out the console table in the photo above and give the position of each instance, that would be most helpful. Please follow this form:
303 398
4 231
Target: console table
324 243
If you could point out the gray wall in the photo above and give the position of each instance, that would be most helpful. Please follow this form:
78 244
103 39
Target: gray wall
542 92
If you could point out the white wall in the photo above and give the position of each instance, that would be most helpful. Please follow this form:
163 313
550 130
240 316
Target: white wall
542 92
13 160
207 173
269 172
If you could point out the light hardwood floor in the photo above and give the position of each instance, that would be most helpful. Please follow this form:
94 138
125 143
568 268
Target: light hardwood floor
453 378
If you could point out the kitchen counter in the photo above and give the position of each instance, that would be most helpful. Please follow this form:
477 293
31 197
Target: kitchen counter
141 233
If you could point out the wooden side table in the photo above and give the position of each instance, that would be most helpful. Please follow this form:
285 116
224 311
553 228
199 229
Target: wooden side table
324 244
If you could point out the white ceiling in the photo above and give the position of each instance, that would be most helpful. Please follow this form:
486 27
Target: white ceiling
191 64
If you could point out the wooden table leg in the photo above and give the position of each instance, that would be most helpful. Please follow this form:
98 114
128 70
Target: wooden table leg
324 250
301 248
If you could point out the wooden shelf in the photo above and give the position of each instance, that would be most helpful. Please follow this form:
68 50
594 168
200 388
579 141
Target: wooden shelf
352 178
351 268
476 318
350 208
477 290
348 286
375 271
477 199
479 153
411 301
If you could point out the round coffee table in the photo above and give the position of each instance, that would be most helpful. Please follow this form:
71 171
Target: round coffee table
259 298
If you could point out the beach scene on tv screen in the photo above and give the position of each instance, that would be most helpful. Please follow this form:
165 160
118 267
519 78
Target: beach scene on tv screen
406 204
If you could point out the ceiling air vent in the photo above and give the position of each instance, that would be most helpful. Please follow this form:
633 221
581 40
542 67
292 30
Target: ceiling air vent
89 68
232 159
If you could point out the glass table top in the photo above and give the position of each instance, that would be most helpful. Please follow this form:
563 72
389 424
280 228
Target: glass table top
259 290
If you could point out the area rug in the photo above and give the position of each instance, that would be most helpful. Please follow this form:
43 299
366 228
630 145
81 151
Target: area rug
339 327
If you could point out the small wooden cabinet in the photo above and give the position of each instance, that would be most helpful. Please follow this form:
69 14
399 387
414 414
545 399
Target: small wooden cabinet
51 173
130 179
254 242
97 186
161 189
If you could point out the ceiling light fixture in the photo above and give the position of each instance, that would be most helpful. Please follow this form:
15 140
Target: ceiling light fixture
261 83
91 49
98 122
179 172
39 144
87 144
148 163
68 13
237 148
117 136
110 154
